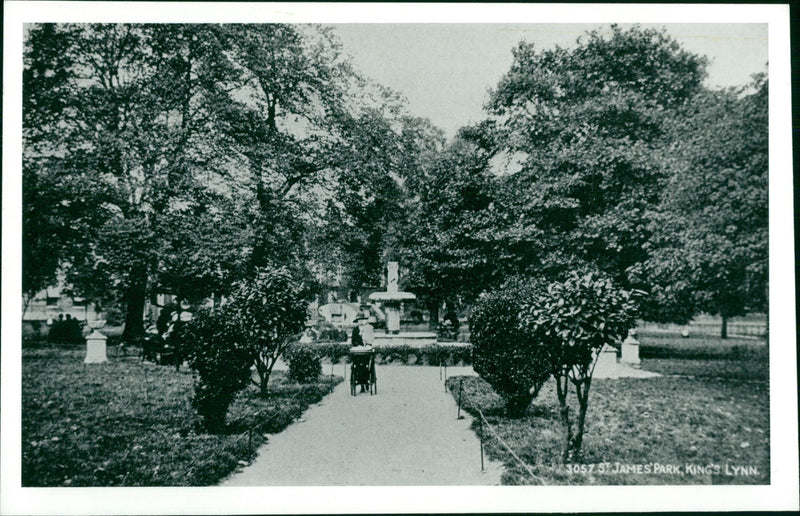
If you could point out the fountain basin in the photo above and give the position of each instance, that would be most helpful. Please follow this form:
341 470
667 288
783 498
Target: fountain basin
391 296
417 339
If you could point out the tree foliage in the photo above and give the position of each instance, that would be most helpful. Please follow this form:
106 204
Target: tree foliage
588 128
446 244
173 158
710 244
504 353
216 348
269 309
572 320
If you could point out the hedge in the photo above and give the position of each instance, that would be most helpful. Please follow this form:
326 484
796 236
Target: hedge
406 355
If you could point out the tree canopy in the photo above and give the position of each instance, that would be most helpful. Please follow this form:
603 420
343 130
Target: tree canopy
181 158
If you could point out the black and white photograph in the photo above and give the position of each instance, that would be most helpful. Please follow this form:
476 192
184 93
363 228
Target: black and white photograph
348 258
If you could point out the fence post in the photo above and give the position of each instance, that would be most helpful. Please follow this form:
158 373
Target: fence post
480 419
460 392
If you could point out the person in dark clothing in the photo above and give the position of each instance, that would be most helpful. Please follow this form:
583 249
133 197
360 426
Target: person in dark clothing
355 338
72 330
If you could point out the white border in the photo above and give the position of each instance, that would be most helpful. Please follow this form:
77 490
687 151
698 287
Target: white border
782 494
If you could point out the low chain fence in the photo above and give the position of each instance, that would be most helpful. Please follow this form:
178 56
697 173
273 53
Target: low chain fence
484 423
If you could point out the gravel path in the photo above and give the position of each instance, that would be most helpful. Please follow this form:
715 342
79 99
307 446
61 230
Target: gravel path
407 434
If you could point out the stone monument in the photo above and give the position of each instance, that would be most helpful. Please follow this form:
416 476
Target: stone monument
630 350
95 344
607 359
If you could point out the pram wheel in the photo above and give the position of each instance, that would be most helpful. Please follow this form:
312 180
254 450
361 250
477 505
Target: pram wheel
362 370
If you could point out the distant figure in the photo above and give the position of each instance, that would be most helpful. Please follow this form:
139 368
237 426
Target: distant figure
363 335
366 330
172 352
57 332
355 338
66 330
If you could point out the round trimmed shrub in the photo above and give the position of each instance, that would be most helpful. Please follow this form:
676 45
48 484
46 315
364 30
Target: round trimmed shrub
217 350
504 353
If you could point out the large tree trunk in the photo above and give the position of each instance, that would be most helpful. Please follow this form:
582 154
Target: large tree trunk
135 298
433 309
724 332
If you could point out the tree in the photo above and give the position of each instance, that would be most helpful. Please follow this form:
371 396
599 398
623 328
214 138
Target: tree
447 243
587 126
46 93
281 122
384 153
270 309
572 320
204 251
710 245
134 147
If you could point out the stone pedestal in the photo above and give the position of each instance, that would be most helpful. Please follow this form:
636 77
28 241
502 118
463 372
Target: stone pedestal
392 319
607 359
630 351
95 348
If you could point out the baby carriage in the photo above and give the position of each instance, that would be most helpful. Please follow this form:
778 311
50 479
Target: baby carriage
362 370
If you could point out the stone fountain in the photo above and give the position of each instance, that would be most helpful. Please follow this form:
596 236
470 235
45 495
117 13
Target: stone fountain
391 302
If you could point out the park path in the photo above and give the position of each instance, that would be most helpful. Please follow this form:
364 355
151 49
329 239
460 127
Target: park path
407 434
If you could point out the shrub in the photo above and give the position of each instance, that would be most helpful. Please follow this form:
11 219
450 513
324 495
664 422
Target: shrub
436 355
461 354
450 355
395 353
304 364
270 309
332 350
503 352
216 348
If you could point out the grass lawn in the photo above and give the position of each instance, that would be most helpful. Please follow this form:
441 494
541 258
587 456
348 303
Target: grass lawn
129 423
671 345
705 357
704 425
